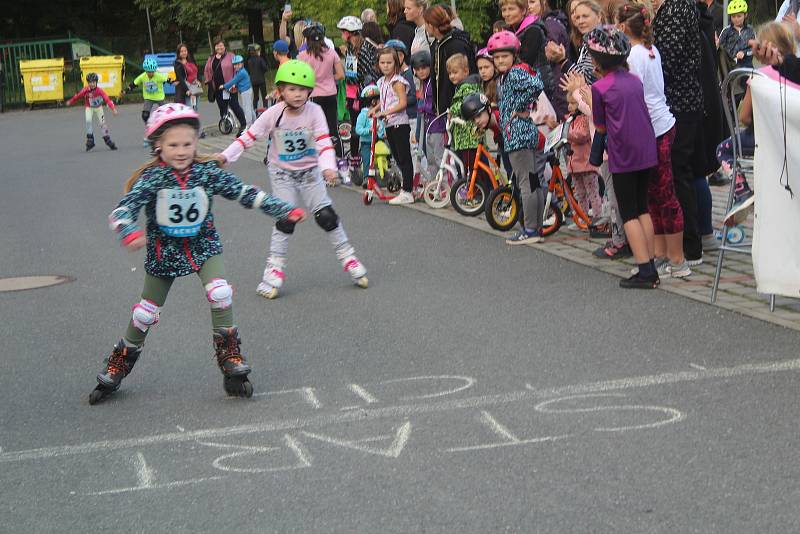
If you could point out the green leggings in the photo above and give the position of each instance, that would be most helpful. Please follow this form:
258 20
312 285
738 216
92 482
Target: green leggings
156 290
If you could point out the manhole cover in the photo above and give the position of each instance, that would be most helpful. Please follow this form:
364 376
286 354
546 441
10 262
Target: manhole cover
19 283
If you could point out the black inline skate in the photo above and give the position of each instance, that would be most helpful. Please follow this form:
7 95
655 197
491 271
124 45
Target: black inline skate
118 365
231 362
109 143
89 142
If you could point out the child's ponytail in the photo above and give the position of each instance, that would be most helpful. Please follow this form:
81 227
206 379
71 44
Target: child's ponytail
636 18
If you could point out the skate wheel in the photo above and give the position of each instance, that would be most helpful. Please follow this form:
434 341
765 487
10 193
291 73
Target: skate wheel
268 294
237 386
96 396
736 235
362 282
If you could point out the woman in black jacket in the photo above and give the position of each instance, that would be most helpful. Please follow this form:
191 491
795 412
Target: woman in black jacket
185 73
448 42
396 23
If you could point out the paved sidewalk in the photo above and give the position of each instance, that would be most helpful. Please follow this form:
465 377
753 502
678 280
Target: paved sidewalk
737 289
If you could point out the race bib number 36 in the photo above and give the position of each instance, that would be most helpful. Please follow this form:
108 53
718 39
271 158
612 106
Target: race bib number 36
181 212
295 144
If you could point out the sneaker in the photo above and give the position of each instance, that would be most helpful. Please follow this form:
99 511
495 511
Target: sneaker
694 263
680 270
639 282
404 197
661 266
601 231
710 242
522 237
740 211
610 251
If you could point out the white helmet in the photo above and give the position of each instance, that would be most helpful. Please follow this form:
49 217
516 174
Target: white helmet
350 24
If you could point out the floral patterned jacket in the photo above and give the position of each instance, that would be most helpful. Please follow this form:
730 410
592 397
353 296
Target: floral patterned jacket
181 234
517 92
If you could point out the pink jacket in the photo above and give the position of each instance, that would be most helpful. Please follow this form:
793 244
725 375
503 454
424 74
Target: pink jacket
226 63
580 141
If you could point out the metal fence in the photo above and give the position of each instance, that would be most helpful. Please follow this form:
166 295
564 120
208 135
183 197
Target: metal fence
12 92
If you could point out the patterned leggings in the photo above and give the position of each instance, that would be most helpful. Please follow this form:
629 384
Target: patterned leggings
662 203
587 192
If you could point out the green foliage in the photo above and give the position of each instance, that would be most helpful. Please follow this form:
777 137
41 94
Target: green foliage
210 15
330 11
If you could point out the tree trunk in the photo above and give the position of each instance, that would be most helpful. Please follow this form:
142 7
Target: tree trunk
255 24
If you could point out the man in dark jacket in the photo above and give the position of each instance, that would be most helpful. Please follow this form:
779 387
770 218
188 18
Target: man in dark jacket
453 42
256 67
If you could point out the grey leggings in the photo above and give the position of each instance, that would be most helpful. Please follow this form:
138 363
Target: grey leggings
528 166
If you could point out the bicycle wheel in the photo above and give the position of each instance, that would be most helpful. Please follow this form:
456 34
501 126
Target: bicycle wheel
356 176
225 126
436 192
463 205
552 220
502 209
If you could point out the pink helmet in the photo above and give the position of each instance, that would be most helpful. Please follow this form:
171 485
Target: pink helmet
169 113
483 53
503 41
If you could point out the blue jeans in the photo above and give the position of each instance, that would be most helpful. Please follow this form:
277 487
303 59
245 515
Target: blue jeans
704 204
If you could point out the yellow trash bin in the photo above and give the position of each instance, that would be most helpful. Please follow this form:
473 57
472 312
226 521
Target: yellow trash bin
109 70
43 79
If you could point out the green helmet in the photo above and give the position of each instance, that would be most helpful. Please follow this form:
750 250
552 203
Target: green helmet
737 6
296 72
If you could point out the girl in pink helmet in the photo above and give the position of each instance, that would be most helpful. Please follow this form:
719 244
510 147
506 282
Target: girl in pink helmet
518 88
176 190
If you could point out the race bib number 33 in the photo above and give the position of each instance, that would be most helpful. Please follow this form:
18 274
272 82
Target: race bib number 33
295 144
181 212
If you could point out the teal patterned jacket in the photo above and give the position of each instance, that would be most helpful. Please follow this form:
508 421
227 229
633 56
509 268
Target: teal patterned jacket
517 92
172 250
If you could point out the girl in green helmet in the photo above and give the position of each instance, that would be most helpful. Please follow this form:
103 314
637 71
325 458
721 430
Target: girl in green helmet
299 154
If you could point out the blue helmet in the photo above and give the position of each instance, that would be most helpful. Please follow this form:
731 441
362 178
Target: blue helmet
150 64
238 59
397 44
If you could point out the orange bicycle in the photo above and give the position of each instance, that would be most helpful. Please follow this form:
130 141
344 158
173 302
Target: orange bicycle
560 197
467 195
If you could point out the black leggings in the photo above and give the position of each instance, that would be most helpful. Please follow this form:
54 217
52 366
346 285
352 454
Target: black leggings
400 145
330 106
233 102
631 190
355 144
262 90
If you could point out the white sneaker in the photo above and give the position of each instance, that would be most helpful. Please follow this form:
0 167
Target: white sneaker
403 198
681 270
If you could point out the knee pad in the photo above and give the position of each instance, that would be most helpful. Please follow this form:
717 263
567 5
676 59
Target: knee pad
145 314
145 115
327 219
287 227
219 293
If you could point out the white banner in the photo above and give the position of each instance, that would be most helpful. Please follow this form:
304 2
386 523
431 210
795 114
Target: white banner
776 235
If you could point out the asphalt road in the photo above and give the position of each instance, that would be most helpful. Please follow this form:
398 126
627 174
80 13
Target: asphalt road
474 387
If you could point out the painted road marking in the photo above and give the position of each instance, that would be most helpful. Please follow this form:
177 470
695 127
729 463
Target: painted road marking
404 411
